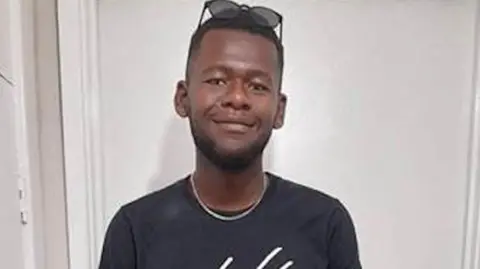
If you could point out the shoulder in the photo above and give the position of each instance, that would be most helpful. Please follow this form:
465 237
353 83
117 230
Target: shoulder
322 217
308 204
299 193
164 204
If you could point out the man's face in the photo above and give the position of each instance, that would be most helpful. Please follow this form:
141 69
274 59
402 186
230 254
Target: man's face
232 97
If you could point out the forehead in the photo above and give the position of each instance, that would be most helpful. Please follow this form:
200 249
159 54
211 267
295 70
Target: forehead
237 50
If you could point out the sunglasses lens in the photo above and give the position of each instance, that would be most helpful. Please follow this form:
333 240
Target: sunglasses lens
223 9
265 16
226 9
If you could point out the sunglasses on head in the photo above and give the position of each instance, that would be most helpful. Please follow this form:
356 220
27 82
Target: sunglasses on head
225 9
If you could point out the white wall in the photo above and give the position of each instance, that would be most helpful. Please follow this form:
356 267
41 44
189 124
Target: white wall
5 52
384 88
31 156
10 229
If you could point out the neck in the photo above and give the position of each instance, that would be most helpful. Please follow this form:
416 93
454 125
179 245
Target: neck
226 190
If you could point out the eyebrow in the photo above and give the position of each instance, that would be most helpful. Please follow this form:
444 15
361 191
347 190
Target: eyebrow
228 70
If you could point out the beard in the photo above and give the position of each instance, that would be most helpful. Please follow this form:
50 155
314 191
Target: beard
233 162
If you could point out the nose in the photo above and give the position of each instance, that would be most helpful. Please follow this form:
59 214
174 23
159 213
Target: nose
237 97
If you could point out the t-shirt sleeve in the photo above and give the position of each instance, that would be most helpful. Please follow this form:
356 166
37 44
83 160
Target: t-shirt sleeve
342 241
118 248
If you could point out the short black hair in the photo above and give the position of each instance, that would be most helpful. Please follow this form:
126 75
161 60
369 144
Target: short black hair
242 22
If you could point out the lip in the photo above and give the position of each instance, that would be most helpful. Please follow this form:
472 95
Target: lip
234 126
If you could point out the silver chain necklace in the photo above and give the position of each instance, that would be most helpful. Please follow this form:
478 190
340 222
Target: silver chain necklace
228 218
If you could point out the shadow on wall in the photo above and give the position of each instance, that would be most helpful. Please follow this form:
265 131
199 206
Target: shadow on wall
177 155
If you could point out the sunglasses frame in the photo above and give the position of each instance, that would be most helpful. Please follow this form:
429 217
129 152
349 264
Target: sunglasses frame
247 8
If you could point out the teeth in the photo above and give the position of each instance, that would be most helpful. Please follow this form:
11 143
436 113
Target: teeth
235 126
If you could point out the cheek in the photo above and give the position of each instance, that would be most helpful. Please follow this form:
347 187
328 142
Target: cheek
267 114
269 108
200 101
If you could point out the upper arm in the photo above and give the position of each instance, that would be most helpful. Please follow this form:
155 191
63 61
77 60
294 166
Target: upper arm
118 250
342 241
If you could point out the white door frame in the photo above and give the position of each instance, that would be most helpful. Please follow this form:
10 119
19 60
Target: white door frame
78 40
471 243
78 28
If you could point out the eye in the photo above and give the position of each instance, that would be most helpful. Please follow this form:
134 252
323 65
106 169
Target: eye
258 87
215 81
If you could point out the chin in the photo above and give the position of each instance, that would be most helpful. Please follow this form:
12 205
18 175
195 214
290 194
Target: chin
232 160
232 152
229 153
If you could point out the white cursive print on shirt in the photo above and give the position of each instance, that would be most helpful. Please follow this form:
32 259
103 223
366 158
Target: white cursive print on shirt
264 263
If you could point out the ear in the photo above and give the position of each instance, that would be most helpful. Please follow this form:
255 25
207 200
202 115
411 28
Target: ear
280 115
180 100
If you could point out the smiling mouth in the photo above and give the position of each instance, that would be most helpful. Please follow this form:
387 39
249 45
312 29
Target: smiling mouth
234 127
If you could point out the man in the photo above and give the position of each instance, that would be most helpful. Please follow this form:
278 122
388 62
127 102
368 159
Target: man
230 213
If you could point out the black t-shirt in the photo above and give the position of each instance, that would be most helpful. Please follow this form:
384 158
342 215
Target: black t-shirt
293 227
